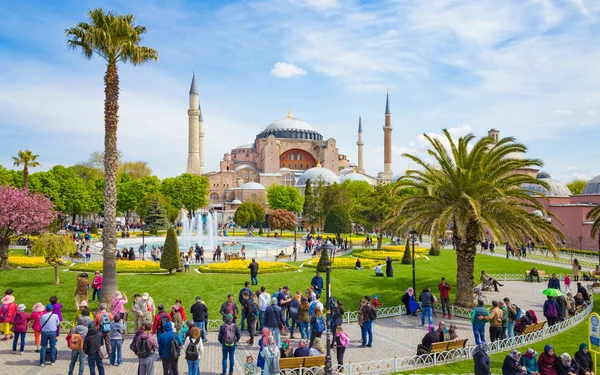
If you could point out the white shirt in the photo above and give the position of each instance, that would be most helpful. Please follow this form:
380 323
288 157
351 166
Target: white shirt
264 301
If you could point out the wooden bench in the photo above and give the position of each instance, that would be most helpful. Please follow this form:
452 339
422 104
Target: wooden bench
540 272
300 362
459 344
533 328
577 310
368 245
283 257
235 256
77 256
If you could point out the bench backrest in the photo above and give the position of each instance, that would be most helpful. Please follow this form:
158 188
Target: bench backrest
438 347
542 273
540 325
457 344
315 361
296 362
529 328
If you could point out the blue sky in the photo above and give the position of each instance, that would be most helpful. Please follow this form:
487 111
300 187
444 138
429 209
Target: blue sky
526 67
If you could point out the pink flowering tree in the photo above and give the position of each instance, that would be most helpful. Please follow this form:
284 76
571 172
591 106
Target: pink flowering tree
21 212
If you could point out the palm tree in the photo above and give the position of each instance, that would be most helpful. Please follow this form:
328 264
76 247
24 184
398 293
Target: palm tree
595 215
116 39
471 189
27 159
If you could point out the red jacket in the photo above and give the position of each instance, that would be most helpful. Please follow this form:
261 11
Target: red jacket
19 321
181 312
8 311
547 364
444 290
157 321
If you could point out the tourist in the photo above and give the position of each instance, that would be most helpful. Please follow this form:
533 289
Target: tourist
534 273
262 342
117 329
304 318
229 335
118 305
318 348
495 319
88 254
445 289
302 350
253 272
584 294
504 319
229 307
284 299
274 320
241 301
150 307
554 282
286 350
83 305
481 359
160 319
9 309
576 268
57 309
137 308
49 325
530 317
478 323
310 294
96 286
453 335
341 343
165 338
358 265
562 308
408 299
379 270
389 271
145 345
547 361
314 304
19 327
186 265
193 349
584 359
426 299
293 311
264 300
36 313
249 367
317 283
565 365
337 314
442 332
551 311
177 316
75 340
567 282
512 364
490 280
199 313
81 292
368 314
92 346
317 325
250 310
102 323
529 361
271 355
570 305
428 340
513 316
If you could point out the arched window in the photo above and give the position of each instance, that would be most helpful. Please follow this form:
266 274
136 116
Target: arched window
288 179
214 198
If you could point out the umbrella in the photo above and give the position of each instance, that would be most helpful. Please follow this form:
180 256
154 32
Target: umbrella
551 292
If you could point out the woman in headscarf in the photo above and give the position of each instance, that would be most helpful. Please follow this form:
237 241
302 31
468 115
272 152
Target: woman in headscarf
584 360
286 349
429 339
262 342
318 348
407 298
271 354
512 364
529 360
547 361
565 365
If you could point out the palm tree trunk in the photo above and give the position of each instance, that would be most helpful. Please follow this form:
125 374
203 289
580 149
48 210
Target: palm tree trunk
465 259
379 239
25 176
109 240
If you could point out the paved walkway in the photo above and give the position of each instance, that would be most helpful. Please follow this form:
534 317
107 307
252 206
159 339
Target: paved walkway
397 336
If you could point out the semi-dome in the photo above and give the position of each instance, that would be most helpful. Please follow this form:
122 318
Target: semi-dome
252 186
236 201
317 174
290 127
556 188
592 187
347 170
355 176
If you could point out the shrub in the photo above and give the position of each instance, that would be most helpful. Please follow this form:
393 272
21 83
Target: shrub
241 266
342 263
170 258
434 251
94 228
406 258
322 266
123 266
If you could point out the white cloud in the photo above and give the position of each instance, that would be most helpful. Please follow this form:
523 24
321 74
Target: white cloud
287 70
321 5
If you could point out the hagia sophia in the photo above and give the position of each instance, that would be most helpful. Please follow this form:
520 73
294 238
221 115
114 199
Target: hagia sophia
289 151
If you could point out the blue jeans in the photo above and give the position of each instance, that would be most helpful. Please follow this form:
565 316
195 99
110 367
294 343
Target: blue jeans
261 318
193 367
254 280
77 356
93 361
479 332
17 334
202 327
511 329
95 293
304 331
426 311
276 332
48 337
228 351
367 329
116 357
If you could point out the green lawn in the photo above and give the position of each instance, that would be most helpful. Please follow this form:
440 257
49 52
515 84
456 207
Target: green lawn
349 286
565 342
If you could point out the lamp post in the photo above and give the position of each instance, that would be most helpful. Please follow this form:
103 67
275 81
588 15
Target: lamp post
329 248
295 243
143 237
413 239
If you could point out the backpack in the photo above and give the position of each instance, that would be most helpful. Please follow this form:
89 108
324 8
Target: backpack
229 336
143 350
344 339
105 326
76 342
294 308
373 313
174 348
191 353
161 323
274 365
255 311
552 310
311 309
320 325
133 345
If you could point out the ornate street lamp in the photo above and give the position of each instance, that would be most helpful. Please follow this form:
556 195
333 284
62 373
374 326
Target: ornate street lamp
330 249
413 239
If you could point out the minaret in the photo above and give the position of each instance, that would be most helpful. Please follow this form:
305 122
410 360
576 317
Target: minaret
360 145
201 139
193 164
387 173
494 135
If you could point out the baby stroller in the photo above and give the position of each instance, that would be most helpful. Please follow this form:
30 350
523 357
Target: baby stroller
477 294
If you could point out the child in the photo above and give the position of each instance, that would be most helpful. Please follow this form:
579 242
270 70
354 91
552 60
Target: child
375 301
36 313
341 343
249 367
7 311
186 265
57 310
567 283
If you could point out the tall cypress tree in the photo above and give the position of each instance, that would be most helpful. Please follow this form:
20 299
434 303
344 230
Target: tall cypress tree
308 209
170 257
406 258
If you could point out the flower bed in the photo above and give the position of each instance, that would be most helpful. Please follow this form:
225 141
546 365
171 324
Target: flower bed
341 263
401 248
241 266
123 266
382 255
27 262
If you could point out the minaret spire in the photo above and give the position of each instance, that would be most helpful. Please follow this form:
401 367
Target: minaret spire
193 89
387 173
193 163
387 102
360 145
200 138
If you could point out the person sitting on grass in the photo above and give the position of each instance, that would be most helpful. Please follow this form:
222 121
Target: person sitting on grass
529 361
379 270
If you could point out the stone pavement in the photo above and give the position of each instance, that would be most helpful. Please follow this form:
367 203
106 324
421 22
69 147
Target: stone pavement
396 336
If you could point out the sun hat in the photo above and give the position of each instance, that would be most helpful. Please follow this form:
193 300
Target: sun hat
21 307
83 304
38 307
7 299
145 296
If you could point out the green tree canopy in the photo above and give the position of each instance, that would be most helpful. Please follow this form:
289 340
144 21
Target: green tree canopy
170 259
576 186
53 248
285 197
281 219
249 213
186 191
146 206
338 220
130 193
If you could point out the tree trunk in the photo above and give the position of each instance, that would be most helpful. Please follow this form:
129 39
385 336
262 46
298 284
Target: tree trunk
109 240
379 240
465 259
25 176
4 244
56 278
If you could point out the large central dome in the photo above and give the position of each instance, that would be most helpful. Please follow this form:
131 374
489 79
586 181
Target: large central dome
290 127
289 123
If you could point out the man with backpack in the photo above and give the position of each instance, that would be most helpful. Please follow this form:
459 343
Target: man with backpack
199 312
145 345
514 314
369 314
551 311
160 319
92 345
241 300
102 322
169 345
274 320
250 310
75 340
229 335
